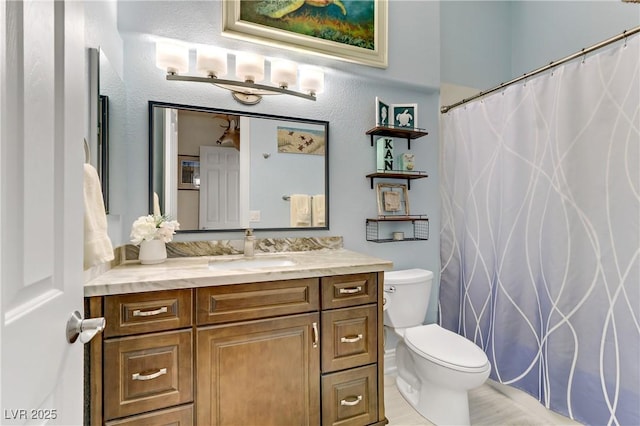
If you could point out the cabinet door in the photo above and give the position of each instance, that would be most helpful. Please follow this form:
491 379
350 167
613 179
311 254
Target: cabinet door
267 370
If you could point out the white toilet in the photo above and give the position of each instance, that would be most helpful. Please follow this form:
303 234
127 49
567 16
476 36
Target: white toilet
436 367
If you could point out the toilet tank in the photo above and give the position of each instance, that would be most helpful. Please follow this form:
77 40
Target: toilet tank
406 294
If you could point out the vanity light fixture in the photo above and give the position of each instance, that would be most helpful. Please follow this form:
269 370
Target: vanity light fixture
211 64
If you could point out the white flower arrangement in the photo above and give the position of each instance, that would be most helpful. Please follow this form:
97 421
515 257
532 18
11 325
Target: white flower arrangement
153 227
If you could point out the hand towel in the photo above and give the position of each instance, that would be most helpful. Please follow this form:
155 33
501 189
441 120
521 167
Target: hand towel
318 211
300 210
97 245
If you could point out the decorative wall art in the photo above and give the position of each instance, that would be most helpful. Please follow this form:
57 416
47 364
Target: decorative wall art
351 30
300 141
405 116
393 199
188 172
382 113
384 154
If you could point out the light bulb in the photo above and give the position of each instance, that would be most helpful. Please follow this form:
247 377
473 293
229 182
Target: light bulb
250 67
212 61
284 73
311 79
172 57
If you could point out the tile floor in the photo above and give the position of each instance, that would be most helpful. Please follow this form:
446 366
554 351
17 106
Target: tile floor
487 407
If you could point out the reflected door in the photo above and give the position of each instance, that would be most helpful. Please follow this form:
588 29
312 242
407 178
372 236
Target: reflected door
219 188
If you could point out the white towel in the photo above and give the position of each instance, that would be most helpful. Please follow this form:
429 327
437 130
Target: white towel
97 245
317 210
300 211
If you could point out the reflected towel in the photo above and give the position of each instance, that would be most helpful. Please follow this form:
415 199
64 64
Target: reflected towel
318 211
300 210
97 245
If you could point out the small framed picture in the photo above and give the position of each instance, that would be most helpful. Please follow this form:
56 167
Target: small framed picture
405 116
393 199
188 172
382 113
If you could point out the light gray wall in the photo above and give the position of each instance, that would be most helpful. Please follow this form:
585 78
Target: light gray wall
475 39
485 43
544 31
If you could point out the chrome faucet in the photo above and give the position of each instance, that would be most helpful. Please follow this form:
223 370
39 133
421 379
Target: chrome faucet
249 243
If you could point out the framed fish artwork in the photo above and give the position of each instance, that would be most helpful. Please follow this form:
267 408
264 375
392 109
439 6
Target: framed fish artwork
349 30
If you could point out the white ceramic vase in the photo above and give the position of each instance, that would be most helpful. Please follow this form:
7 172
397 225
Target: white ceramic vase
153 251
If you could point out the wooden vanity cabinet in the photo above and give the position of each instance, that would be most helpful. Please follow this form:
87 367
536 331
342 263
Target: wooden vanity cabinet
291 352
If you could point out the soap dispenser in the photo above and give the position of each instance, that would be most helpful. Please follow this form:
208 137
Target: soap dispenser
249 242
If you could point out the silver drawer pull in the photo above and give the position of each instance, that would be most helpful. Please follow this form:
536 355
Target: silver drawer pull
356 401
351 290
351 339
139 313
138 376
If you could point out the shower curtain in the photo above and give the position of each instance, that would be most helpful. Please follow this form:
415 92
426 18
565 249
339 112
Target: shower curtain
540 234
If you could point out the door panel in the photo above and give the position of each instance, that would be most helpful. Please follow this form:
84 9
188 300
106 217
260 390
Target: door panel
219 188
41 123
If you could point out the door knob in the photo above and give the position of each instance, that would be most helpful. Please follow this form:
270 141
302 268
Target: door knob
83 328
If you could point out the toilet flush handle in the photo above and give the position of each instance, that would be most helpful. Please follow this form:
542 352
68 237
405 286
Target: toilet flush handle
390 289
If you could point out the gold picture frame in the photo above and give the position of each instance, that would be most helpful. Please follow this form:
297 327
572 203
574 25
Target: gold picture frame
248 20
393 199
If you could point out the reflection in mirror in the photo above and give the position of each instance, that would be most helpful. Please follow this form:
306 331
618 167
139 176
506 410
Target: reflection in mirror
227 170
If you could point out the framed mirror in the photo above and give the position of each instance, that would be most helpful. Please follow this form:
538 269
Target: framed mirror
213 169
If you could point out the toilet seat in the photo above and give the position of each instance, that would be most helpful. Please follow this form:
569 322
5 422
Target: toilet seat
446 348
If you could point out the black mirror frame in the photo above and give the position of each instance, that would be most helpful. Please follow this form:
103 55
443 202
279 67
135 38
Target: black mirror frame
153 104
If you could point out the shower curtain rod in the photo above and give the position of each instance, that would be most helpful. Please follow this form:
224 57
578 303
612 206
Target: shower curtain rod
583 52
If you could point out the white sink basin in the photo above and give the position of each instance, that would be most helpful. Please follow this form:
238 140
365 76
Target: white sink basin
250 263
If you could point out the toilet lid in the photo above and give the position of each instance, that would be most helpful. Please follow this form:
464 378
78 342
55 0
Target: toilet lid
446 348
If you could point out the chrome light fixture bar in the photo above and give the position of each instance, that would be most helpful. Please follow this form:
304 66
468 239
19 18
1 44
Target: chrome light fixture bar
212 63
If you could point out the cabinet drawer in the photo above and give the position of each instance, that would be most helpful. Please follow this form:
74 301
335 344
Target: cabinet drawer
147 312
350 398
348 290
242 302
144 373
349 337
179 416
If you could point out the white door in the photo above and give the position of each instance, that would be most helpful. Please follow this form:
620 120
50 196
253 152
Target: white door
42 115
219 188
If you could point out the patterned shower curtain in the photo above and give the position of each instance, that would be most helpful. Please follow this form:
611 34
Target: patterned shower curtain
540 235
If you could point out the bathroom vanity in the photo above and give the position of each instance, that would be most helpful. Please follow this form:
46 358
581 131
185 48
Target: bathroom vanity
278 339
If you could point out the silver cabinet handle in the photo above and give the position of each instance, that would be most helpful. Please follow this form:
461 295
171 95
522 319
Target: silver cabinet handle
139 313
85 329
138 376
351 290
356 401
351 339
315 334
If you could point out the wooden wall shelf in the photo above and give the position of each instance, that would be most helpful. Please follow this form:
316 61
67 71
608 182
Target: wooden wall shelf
393 132
409 176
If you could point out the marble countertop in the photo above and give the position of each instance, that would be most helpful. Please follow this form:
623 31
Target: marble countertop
190 272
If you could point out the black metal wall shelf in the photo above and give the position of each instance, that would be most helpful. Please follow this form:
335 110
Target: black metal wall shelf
420 228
